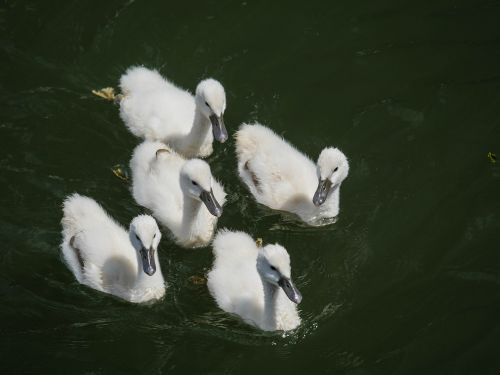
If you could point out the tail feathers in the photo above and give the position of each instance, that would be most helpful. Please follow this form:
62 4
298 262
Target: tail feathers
139 78
228 244
246 143
76 210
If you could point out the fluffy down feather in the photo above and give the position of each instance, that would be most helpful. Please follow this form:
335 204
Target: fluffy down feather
99 252
155 109
282 178
161 184
237 286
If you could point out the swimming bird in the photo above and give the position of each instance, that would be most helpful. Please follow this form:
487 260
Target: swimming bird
155 109
182 194
282 178
102 255
254 282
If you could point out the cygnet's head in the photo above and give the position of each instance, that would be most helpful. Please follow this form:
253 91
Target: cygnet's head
332 169
145 237
196 182
273 265
211 102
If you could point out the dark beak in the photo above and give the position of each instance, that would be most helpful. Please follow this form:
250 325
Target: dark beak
290 289
322 191
213 206
148 261
218 128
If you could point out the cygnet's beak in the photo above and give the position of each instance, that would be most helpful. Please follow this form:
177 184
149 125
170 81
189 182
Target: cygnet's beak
218 128
290 289
322 191
213 206
148 260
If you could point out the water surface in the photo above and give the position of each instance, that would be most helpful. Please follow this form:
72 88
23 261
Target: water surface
407 281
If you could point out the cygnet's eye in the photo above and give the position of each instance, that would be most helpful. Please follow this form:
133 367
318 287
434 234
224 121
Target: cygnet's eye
154 235
208 105
194 183
136 236
336 169
273 268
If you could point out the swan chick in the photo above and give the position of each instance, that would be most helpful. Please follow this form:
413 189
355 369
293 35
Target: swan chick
282 178
102 255
155 109
254 282
181 193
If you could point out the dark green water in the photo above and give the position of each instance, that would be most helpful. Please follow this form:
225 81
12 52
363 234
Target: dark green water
406 282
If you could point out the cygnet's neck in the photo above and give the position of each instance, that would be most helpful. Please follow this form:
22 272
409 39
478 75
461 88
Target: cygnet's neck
198 142
144 280
313 214
193 219
331 205
271 292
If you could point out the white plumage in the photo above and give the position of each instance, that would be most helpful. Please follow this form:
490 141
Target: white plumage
102 255
182 194
254 282
155 109
282 178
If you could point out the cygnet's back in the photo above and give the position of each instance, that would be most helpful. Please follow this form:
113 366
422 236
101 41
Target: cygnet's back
234 281
154 108
155 180
275 171
97 238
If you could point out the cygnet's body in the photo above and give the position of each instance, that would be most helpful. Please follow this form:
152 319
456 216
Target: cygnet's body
254 282
182 194
282 178
155 109
103 256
